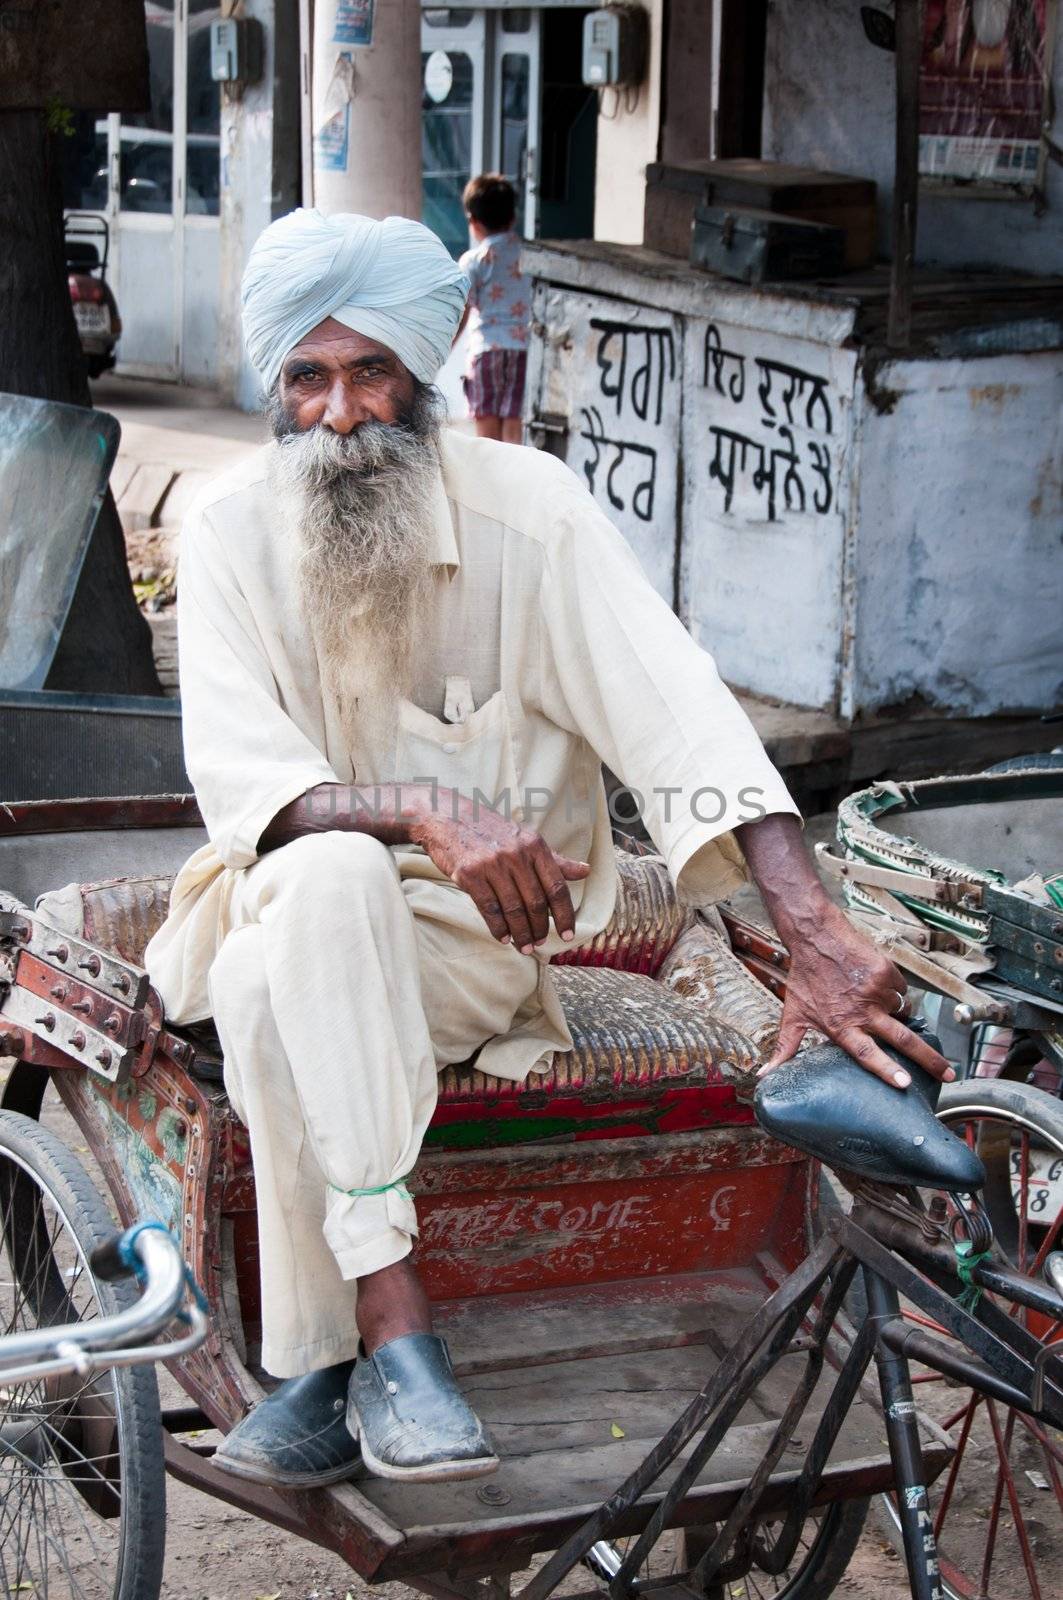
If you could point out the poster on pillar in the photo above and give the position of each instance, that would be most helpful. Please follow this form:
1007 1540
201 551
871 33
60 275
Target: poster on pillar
984 89
614 370
765 448
354 22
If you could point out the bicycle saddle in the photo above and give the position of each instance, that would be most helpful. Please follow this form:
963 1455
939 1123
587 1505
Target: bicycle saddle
824 1103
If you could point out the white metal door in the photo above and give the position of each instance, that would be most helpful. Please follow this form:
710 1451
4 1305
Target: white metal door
164 200
454 126
516 105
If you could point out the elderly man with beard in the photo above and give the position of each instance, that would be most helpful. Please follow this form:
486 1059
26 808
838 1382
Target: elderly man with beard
405 655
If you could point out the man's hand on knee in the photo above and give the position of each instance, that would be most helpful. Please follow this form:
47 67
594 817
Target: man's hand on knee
518 883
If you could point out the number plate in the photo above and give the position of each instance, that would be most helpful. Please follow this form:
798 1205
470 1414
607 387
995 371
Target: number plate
1044 1200
92 318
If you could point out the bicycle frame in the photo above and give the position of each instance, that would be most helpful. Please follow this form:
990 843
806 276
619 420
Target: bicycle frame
900 1255
119 1341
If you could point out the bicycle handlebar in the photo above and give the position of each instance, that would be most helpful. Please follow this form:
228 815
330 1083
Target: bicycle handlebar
169 1293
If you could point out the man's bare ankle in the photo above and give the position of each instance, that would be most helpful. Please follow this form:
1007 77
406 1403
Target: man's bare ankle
391 1303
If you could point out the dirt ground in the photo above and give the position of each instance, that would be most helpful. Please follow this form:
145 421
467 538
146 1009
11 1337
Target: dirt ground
215 1553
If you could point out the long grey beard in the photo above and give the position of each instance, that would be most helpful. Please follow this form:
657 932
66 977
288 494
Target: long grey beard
362 507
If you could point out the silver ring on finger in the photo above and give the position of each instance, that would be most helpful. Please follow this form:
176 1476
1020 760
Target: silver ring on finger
901 1007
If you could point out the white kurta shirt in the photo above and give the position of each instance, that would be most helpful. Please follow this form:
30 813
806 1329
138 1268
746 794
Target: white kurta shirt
545 653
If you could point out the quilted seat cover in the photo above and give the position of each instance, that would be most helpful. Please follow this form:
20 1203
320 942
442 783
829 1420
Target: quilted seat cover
664 1019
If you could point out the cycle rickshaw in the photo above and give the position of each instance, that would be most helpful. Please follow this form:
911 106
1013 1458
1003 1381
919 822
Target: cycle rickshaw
602 1244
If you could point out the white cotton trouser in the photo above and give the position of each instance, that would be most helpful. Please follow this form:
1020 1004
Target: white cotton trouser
338 993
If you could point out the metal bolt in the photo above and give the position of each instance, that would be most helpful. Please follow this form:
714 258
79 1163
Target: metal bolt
47 1021
59 991
492 1495
104 1057
939 1208
1057 930
60 952
121 982
77 1039
112 1023
393 1387
91 964
84 1006
190 1106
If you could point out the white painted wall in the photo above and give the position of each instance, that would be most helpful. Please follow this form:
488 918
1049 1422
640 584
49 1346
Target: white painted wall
614 372
913 547
627 143
829 103
765 507
246 206
958 566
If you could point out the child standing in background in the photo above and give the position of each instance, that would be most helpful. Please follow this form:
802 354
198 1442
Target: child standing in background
497 311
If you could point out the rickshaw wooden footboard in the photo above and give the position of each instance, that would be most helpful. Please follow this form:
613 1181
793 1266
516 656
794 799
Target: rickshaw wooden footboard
557 1377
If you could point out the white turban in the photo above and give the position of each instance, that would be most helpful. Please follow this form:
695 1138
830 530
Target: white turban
392 280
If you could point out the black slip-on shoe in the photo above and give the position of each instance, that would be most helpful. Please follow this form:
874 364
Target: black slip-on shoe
411 1419
297 1437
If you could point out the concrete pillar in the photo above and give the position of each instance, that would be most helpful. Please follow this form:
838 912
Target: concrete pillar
259 177
367 106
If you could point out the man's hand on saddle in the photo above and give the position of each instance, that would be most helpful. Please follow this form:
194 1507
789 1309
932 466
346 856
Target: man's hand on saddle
839 983
517 882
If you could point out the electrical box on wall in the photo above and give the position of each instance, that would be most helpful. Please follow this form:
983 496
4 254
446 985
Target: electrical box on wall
236 50
614 46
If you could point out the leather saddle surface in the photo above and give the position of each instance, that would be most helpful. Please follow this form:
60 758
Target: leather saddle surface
824 1103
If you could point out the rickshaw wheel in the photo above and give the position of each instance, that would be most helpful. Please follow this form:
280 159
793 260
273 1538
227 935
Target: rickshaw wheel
82 1481
998 1507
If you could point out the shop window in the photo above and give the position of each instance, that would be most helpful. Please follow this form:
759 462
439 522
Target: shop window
446 144
203 152
146 157
446 18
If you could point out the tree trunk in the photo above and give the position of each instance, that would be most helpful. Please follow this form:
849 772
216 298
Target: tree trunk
105 647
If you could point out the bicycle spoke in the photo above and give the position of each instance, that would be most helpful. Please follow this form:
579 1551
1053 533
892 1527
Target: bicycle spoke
1004 1472
954 1465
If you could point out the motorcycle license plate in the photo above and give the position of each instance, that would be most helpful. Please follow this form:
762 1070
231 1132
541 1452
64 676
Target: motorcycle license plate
92 318
1044 1199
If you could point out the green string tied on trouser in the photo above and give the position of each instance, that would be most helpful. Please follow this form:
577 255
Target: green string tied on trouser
398 1184
966 1262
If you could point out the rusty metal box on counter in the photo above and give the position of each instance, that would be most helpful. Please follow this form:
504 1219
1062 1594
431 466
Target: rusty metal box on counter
763 247
674 192
834 198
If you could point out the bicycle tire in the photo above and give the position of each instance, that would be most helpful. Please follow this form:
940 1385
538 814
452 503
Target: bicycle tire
32 1155
1045 761
1033 1113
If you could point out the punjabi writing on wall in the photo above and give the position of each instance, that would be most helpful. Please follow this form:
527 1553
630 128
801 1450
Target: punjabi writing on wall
635 368
785 456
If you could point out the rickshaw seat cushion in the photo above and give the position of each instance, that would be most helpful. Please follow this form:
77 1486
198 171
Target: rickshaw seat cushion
122 915
664 1018
825 1103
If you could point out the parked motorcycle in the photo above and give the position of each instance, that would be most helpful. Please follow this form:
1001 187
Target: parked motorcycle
88 240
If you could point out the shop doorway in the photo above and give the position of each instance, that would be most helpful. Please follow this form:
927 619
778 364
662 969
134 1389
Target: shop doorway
501 92
155 177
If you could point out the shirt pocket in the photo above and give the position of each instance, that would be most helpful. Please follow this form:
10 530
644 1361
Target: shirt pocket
475 756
